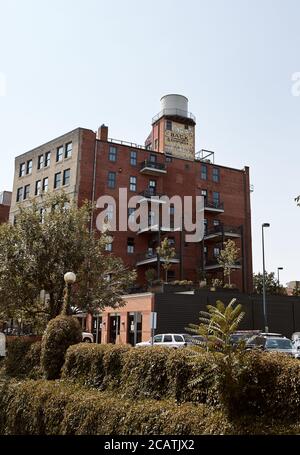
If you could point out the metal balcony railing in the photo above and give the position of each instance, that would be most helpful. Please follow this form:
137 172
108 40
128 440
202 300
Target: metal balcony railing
223 229
214 205
153 255
214 262
175 112
149 193
153 165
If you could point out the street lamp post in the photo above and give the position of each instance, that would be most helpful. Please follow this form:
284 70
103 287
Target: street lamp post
70 279
278 281
265 225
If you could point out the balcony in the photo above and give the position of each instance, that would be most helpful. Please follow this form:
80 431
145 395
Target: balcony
152 168
222 231
213 265
150 257
213 206
154 227
150 195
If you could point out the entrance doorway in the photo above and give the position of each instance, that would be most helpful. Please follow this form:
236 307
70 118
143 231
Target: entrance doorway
97 328
114 327
134 334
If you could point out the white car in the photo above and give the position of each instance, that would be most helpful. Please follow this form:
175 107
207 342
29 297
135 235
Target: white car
87 337
169 340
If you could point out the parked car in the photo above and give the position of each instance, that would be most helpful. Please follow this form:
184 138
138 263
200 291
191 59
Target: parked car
170 340
267 342
87 337
242 335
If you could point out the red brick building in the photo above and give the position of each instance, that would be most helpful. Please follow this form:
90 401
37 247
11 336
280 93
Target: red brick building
88 165
5 200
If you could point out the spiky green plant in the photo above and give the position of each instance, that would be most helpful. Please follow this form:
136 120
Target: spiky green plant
216 327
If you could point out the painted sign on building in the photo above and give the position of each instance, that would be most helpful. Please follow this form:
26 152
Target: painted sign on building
180 141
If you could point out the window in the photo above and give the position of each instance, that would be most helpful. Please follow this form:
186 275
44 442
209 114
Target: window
152 158
169 125
171 241
112 156
19 194
38 185
152 187
216 174
216 252
132 185
29 167
168 159
57 180
216 199
156 144
22 170
108 247
45 184
66 177
40 161
109 212
111 182
131 216
130 245
216 222
168 339
68 150
133 158
59 153
203 171
157 339
178 338
26 192
47 159
205 225
204 193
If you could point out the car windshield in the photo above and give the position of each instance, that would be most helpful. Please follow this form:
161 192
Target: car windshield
278 343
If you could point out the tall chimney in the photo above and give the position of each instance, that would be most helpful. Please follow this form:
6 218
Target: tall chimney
102 134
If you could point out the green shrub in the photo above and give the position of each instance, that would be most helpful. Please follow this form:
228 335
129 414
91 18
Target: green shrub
263 384
144 373
61 332
84 363
62 408
23 358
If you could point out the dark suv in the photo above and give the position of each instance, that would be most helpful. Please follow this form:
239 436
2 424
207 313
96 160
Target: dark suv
275 343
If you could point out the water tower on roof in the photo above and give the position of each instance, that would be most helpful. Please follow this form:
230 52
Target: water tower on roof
173 128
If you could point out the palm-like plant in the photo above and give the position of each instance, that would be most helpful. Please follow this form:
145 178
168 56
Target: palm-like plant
217 326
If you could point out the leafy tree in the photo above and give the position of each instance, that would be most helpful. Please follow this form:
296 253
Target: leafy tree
167 253
228 257
150 275
271 283
48 240
296 290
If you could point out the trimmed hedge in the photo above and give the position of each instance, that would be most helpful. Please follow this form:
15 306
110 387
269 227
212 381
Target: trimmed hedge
96 365
61 332
62 408
23 359
265 384
155 373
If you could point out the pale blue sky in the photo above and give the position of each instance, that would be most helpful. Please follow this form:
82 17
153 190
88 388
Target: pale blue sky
72 63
